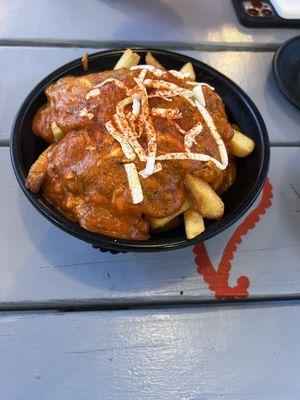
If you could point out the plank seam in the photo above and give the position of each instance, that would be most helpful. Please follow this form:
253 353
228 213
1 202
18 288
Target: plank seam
74 305
217 46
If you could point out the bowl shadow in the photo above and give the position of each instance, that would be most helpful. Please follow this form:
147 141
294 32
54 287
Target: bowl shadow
136 272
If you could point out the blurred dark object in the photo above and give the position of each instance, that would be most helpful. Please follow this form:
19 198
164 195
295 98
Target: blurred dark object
261 14
286 69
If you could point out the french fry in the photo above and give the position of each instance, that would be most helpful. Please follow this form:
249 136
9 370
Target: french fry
86 82
150 60
170 225
128 59
193 223
241 145
209 204
160 222
85 61
188 67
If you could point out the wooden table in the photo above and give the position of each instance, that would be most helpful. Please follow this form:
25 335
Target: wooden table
147 326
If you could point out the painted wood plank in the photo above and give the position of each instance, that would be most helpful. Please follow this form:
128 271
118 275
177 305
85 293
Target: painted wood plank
41 264
205 353
250 70
169 21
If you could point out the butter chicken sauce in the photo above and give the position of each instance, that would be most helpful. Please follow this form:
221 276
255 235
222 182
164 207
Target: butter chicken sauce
83 174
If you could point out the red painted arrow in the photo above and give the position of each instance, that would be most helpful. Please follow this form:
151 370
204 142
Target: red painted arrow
218 280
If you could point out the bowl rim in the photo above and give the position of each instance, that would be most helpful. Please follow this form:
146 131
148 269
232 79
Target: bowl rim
276 72
134 245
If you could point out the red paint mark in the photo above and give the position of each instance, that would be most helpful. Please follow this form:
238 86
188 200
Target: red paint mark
218 280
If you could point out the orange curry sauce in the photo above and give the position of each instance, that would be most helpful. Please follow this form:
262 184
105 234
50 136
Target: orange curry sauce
83 174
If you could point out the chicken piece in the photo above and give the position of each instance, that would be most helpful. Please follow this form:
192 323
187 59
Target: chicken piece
228 178
37 172
85 179
66 98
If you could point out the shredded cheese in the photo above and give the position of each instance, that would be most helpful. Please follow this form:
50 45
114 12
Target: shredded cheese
156 71
199 95
157 168
84 113
125 128
150 131
212 127
134 183
190 156
142 75
198 92
117 82
179 75
190 137
193 83
133 118
127 150
166 113
173 123
136 105
165 94
167 88
156 94
92 93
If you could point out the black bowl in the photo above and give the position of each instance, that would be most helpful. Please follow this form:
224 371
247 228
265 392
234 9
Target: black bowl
252 171
286 69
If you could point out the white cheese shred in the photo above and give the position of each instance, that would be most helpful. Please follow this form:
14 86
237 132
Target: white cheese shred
168 94
84 113
133 118
150 165
117 82
127 149
136 105
157 168
198 92
92 93
179 75
124 127
199 95
155 71
212 127
193 83
190 137
172 113
190 156
142 75
134 183
150 130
